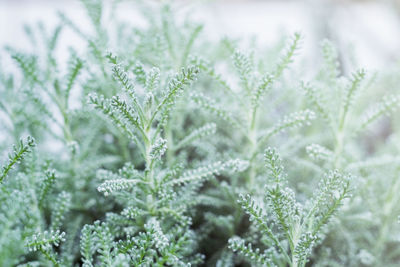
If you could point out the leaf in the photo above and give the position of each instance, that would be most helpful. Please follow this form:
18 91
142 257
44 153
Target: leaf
175 88
45 241
244 66
210 105
315 98
107 109
318 152
61 207
350 92
24 147
388 105
158 149
46 186
238 244
207 68
293 120
263 87
273 163
206 130
75 67
331 60
111 186
256 215
333 189
288 54
207 171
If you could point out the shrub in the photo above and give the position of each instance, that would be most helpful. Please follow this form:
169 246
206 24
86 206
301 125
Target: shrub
152 147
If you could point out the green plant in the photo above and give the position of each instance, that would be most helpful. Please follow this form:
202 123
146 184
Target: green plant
301 225
152 154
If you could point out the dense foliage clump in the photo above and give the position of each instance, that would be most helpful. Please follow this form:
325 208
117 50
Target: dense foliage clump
154 146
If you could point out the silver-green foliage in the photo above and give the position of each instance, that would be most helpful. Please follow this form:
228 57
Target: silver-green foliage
152 155
285 221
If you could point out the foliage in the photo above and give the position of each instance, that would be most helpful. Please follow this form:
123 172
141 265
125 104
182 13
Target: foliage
159 152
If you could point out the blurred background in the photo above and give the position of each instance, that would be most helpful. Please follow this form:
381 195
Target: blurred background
373 27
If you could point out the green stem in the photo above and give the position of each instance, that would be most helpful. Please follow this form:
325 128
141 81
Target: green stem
149 172
252 136
338 147
295 233
170 143
391 200
340 137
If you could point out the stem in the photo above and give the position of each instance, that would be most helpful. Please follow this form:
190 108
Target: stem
149 172
11 164
252 136
296 232
170 143
340 137
391 199
339 146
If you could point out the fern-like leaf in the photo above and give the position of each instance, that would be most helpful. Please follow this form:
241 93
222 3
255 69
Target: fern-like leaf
238 245
210 105
350 92
294 120
207 171
24 147
206 130
288 54
388 105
